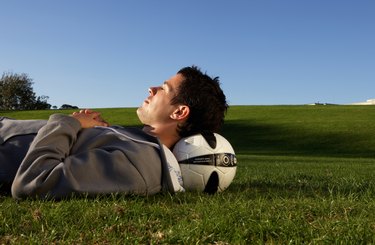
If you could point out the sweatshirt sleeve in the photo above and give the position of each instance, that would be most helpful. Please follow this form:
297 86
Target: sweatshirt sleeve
50 147
64 160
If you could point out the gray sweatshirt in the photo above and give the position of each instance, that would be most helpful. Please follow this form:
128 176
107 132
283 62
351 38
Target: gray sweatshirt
64 159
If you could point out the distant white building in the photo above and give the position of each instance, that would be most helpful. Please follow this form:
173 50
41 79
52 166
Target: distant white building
367 102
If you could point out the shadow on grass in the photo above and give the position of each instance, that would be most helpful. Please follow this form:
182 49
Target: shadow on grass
251 138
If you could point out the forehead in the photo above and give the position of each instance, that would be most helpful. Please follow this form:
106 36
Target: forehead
174 82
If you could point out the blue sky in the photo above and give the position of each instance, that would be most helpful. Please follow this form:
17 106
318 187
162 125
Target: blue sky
96 54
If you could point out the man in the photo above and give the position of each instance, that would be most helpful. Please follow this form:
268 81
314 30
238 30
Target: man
80 154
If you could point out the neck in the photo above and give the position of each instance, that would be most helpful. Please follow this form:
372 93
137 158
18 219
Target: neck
167 136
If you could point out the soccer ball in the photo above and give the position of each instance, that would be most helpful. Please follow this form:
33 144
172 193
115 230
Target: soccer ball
207 161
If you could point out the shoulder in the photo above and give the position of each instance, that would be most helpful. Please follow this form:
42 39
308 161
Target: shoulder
12 127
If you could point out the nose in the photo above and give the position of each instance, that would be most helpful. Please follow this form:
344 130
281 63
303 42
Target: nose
153 90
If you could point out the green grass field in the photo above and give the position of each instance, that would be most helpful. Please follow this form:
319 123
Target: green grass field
305 175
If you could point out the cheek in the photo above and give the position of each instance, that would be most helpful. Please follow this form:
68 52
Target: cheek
160 106
159 103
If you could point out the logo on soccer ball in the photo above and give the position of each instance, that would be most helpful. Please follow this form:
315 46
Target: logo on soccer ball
219 160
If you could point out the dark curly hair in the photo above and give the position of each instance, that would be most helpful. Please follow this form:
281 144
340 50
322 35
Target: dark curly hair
205 99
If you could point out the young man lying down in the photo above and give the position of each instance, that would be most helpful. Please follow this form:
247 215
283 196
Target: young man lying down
82 154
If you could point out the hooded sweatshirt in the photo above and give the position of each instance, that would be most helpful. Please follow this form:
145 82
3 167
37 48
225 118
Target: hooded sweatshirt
62 159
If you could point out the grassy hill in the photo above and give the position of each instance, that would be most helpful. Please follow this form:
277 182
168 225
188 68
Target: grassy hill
304 175
277 130
302 130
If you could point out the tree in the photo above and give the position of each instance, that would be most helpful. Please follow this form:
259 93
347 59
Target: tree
67 106
16 93
41 103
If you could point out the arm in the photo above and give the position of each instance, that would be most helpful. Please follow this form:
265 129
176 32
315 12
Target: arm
51 145
54 167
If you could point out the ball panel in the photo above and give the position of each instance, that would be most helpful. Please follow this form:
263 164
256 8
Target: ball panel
193 181
226 176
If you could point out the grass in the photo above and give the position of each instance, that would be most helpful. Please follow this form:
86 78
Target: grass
305 175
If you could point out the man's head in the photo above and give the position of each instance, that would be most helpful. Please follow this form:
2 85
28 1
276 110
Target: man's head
190 102
205 99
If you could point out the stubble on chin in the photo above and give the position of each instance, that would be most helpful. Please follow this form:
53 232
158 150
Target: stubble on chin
141 114
143 118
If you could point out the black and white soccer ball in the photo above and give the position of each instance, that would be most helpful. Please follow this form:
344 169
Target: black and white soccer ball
208 162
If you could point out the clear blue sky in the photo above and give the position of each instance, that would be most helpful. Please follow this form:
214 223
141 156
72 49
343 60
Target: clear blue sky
96 54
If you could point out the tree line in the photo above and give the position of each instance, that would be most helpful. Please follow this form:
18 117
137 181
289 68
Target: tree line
17 93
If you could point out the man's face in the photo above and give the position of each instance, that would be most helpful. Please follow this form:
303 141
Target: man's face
156 110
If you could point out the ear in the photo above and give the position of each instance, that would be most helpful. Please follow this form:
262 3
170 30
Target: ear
182 112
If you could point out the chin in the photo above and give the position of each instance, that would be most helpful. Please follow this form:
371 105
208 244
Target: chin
140 114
